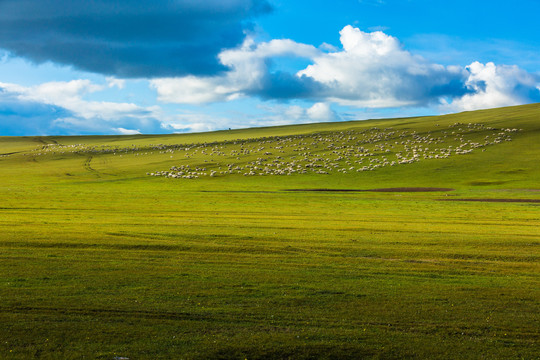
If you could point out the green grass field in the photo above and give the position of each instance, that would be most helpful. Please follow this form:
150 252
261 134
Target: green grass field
196 246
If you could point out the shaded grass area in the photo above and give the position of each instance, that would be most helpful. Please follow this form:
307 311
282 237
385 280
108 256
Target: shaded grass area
108 262
347 277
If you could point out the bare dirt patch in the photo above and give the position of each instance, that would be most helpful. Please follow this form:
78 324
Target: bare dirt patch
327 190
497 200
399 189
412 189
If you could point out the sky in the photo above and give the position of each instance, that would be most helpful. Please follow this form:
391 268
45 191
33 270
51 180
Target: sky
83 67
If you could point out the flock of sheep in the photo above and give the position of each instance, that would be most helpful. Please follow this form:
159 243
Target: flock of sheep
318 153
344 152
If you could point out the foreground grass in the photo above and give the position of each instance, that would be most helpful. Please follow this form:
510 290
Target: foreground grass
100 260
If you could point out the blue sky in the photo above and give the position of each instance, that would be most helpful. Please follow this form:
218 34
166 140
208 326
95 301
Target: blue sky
127 67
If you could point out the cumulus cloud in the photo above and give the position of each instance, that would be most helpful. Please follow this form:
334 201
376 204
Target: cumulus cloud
69 95
145 38
63 107
322 112
249 74
370 70
373 70
495 86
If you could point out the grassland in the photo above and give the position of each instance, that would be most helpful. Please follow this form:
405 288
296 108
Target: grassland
100 259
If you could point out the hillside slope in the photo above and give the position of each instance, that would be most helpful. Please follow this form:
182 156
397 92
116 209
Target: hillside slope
483 148
239 244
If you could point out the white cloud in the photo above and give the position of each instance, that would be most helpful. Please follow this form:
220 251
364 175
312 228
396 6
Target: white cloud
495 86
369 71
373 70
69 95
248 72
123 131
85 115
193 127
296 114
195 90
322 112
56 93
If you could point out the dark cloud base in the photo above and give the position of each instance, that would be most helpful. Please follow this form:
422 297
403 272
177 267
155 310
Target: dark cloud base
127 38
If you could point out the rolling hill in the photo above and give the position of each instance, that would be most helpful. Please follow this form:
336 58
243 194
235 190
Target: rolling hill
394 238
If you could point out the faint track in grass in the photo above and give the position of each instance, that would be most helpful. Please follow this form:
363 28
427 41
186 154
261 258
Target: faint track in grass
88 167
394 326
